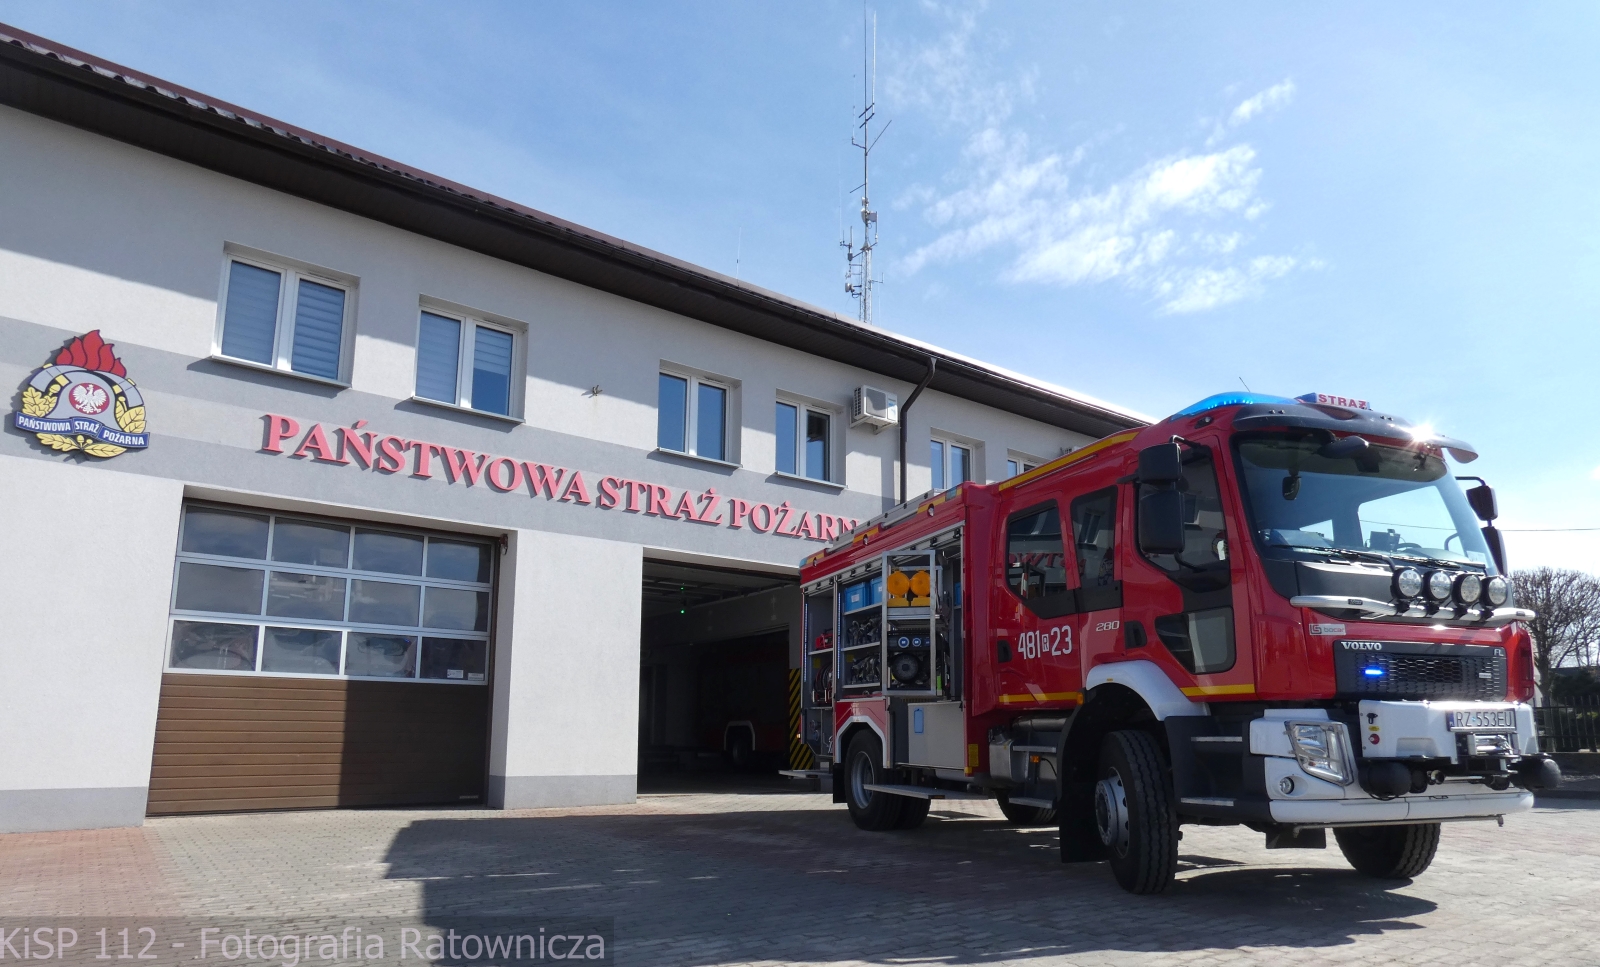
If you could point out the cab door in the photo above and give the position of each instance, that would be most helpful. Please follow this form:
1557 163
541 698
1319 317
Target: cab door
1186 601
1035 615
1093 526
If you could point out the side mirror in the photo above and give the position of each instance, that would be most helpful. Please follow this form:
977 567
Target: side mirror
1161 517
1481 498
1161 464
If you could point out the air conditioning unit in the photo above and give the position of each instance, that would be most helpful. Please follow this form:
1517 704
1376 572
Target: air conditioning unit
874 407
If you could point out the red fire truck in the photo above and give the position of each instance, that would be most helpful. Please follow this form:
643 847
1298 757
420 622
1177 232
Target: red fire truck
1281 613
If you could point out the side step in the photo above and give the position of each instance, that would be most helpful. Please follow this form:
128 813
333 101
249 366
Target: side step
924 792
805 773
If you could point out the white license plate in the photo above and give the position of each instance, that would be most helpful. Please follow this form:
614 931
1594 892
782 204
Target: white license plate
1472 720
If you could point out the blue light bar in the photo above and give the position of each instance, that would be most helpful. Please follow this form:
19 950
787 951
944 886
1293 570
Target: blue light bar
1372 672
1230 399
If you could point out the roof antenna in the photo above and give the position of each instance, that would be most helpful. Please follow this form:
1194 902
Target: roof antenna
1246 386
858 279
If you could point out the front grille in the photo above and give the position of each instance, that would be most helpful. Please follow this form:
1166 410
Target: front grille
1403 669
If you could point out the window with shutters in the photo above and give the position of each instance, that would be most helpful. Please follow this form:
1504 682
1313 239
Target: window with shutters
697 414
951 463
468 362
285 316
804 441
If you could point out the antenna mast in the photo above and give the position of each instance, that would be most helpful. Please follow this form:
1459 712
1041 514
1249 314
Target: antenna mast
858 279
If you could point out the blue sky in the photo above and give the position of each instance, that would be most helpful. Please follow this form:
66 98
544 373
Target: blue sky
1147 203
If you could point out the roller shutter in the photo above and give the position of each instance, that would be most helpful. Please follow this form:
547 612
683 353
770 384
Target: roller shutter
314 663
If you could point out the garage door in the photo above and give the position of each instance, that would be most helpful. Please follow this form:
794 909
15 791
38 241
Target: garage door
317 663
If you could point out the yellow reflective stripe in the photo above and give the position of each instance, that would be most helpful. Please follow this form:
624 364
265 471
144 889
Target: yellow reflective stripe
1199 690
1042 697
1072 457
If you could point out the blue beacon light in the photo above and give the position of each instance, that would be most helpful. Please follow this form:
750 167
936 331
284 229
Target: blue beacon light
1372 672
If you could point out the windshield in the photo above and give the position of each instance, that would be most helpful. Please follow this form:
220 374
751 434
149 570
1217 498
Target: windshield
1393 501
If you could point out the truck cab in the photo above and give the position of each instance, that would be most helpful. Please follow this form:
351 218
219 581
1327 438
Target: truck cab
1283 613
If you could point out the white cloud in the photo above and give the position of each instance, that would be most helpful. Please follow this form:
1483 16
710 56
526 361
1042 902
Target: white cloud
949 78
1170 229
1274 97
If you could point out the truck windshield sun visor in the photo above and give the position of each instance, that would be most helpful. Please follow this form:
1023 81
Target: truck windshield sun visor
1293 415
1373 503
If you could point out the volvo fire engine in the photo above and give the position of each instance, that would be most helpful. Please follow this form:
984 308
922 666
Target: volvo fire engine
1280 613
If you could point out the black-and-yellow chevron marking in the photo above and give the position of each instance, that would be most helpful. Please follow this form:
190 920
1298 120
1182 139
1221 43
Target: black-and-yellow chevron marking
800 756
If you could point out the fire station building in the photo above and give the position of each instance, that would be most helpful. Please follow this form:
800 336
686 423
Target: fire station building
329 482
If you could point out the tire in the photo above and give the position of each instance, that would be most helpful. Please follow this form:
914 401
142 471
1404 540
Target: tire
1025 815
863 766
740 753
1389 852
912 812
1134 815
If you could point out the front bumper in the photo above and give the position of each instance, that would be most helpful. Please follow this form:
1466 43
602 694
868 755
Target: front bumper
1407 732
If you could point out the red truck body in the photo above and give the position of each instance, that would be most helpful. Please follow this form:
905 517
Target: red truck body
1159 603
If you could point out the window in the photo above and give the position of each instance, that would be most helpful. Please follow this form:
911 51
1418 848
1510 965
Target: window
465 362
1094 532
1202 641
1036 567
1015 467
804 441
284 319
262 593
1203 563
692 416
951 464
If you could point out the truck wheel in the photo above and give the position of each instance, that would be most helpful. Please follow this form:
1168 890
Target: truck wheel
1133 812
1389 852
875 811
740 753
1025 815
912 812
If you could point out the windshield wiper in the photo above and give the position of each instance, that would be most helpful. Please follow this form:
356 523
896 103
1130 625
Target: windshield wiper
1338 551
1430 561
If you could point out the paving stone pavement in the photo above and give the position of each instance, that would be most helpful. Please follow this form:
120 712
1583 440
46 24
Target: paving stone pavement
778 877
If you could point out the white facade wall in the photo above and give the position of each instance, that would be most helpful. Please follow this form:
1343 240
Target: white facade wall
82 641
133 242
96 234
566 678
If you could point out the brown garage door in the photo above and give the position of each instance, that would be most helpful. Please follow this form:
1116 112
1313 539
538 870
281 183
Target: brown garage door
314 662
227 742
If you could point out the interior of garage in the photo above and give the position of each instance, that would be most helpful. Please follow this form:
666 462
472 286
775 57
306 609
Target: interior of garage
717 645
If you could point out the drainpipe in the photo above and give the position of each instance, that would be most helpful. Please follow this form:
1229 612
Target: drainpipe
904 409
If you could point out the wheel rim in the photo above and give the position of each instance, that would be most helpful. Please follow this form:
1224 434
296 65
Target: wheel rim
1111 813
860 775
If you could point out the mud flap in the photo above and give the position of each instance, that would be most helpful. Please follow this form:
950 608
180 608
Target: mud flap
1080 841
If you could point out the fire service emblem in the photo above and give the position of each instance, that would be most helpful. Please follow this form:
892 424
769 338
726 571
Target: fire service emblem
84 400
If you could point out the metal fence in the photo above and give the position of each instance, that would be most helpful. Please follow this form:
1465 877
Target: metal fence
1573 726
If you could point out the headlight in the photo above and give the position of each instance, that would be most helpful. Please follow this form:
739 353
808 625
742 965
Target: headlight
1439 585
1322 750
1469 588
1407 582
1497 591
